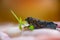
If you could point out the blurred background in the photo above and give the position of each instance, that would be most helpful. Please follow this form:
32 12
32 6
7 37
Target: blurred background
41 9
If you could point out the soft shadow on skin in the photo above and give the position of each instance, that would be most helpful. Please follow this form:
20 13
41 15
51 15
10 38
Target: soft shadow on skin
13 33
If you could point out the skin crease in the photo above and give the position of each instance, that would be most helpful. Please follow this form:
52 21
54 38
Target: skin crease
36 37
47 38
4 36
41 37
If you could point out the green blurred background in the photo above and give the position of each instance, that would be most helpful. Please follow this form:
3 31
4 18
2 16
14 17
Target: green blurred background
41 9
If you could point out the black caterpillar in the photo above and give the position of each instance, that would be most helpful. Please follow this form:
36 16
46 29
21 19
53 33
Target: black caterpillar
40 24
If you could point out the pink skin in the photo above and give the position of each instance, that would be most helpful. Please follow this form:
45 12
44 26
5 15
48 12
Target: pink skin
43 37
37 37
58 24
4 36
46 37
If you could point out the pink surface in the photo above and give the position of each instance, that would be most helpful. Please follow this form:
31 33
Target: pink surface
51 35
4 36
39 37
58 24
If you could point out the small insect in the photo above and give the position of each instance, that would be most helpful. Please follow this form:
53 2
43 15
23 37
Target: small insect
23 25
40 23
31 23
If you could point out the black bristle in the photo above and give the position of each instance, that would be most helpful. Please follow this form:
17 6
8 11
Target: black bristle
41 24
